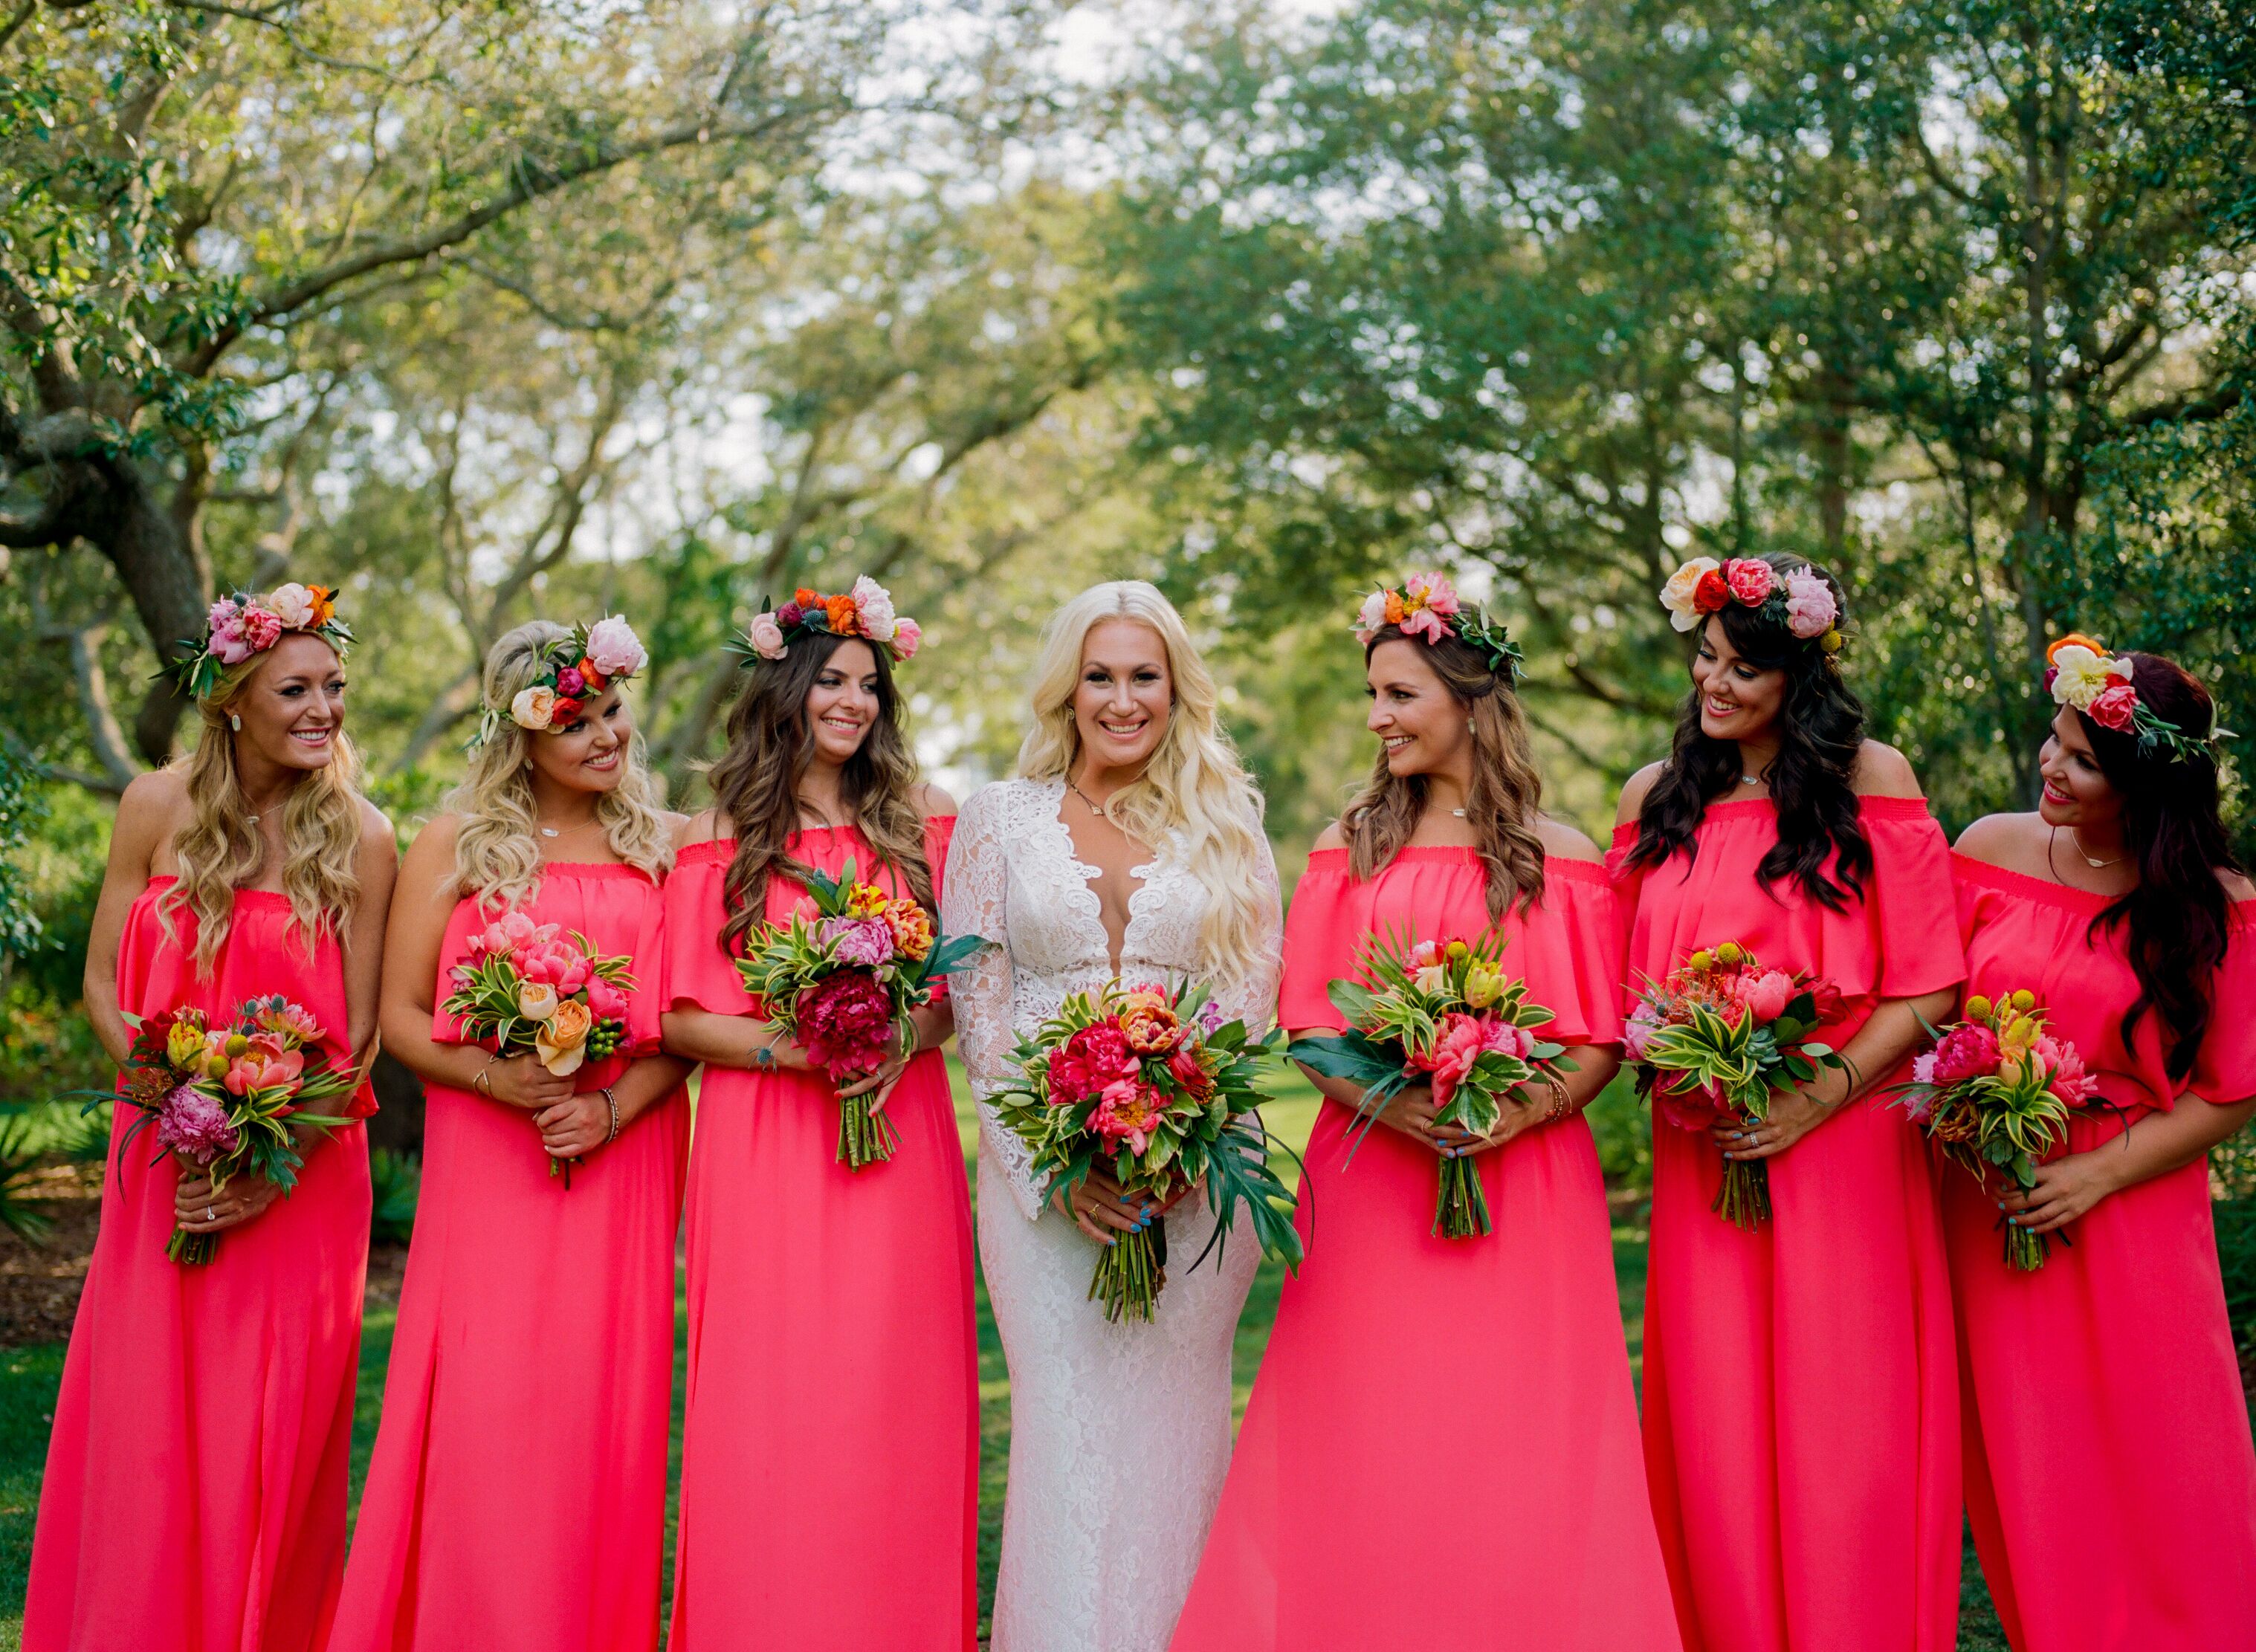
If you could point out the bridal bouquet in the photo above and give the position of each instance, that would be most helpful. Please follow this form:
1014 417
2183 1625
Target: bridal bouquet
842 981
529 986
226 1098
1152 1085
1440 1012
1995 1093
1714 1040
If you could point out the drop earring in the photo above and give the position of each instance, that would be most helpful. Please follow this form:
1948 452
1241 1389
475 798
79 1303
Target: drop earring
234 720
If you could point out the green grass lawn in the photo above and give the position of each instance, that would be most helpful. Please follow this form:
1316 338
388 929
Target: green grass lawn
28 1379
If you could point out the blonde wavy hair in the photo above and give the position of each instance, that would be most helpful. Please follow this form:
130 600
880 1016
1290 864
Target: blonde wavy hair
496 849
1506 798
220 851
1194 785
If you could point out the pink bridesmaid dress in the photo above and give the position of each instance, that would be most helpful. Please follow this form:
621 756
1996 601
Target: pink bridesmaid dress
2109 1478
1801 1395
1442 1448
517 1499
194 1498
830 1450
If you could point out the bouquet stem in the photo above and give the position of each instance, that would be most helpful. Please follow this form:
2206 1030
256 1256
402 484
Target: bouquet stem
1743 1200
863 1137
1130 1272
563 1168
1460 1208
192 1250
2025 1251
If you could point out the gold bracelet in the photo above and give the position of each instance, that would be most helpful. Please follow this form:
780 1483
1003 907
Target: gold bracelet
612 1102
1562 1103
483 1082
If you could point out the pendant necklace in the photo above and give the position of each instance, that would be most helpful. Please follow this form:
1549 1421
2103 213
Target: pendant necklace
1094 807
558 832
2089 859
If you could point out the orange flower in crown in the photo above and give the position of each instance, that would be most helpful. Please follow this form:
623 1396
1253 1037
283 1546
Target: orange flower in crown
866 611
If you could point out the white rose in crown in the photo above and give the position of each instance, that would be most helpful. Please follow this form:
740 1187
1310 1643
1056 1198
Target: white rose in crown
533 707
293 605
873 606
766 636
1676 595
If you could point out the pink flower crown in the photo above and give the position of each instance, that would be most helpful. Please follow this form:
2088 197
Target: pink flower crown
246 622
866 611
1427 606
2080 673
1799 601
574 669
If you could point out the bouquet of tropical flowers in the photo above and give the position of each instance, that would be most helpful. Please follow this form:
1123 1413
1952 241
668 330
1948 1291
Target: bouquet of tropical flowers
1150 1083
843 981
1714 1040
227 1097
1995 1093
1440 1012
531 987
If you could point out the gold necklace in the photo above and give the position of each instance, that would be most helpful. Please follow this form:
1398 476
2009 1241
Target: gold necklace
1101 811
2094 864
558 832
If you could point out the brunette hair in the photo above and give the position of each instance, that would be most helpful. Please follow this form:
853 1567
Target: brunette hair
2178 914
756 783
1506 791
1821 728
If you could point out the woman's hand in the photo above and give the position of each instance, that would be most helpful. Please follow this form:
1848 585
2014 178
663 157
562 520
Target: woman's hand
1411 1111
575 1127
521 1081
2066 1189
783 1050
1101 1208
199 1208
1794 1114
876 1085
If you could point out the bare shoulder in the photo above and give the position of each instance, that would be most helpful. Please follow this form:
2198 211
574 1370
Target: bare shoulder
2010 840
676 823
702 827
1882 771
932 800
1331 837
433 848
151 799
1563 842
1634 793
2236 887
377 839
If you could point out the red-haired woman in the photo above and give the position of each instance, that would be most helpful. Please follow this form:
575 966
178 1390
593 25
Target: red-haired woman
2110 1476
1801 1399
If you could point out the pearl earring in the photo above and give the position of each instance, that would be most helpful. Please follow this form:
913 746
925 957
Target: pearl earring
234 720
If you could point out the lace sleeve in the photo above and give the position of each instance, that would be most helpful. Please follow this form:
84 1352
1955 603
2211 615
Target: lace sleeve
1254 999
975 900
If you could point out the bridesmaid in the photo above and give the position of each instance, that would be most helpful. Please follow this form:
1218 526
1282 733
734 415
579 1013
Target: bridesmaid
516 1496
1800 1395
194 1497
831 1450
1517 1515
2102 1393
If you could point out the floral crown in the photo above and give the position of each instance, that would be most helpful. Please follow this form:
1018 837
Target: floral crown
247 623
1427 606
1799 601
866 611
2079 672
574 670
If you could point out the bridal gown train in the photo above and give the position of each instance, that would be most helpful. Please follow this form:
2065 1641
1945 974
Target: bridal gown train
1119 1433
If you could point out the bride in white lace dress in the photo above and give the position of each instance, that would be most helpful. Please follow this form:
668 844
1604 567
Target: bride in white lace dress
1131 846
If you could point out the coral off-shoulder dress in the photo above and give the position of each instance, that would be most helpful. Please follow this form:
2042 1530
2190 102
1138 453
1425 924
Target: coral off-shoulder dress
1800 1391
194 1498
517 1499
1442 1448
2109 1478
830 1448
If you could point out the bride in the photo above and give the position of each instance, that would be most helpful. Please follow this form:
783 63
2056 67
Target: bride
1131 846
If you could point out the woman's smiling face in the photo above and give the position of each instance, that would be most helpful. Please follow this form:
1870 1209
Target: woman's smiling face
842 703
1125 695
2076 792
1738 700
1419 723
293 705
588 754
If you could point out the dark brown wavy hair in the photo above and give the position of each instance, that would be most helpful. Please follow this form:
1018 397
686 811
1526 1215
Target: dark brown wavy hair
1506 791
1821 728
756 783
2178 915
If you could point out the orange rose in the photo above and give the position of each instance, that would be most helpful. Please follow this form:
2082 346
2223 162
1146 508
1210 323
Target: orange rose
807 599
912 930
325 607
1395 612
845 619
561 1044
2076 639
595 680
1149 1025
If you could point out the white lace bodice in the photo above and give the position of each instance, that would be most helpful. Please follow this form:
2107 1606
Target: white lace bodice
1014 881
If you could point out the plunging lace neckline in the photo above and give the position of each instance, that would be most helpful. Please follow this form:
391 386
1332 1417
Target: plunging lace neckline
1082 893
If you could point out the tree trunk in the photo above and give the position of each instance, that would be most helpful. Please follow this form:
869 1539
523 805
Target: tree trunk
141 535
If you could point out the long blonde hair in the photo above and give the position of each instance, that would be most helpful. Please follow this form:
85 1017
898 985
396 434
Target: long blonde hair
496 853
1506 793
220 850
1194 784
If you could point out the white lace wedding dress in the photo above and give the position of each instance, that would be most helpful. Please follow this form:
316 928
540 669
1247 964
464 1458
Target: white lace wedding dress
1119 1433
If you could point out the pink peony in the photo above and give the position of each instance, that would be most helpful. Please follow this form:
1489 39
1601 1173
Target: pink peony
1130 1112
606 1002
1750 581
194 1125
866 941
846 1023
1637 1033
1460 1042
614 649
1923 1068
266 1065
510 930
262 629
908 636
2070 1081
556 964
1767 996
2115 708
1432 591
1508 1038
570 683
292 1022
1965 1052
1811 609
1092 1059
